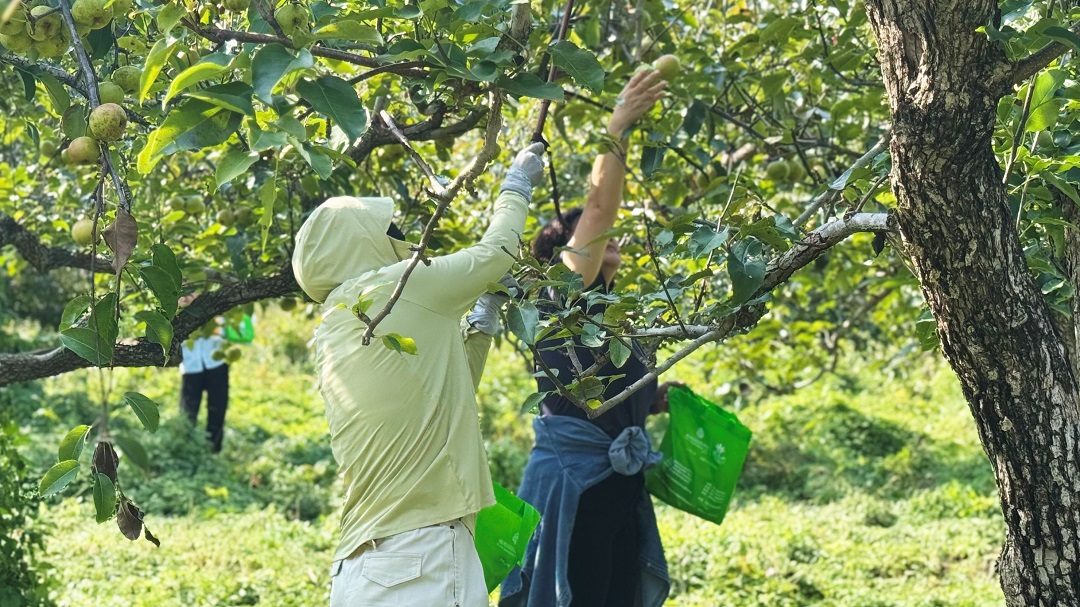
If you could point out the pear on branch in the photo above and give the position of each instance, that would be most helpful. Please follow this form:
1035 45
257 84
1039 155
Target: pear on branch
95 14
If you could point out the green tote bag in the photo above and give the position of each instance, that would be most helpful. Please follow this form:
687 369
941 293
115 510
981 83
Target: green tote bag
704 450
503 532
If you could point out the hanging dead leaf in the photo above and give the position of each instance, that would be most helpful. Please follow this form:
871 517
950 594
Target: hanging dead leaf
121 237
105 460
129 519
150 537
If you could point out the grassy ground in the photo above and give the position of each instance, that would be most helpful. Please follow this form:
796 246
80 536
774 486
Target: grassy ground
873 495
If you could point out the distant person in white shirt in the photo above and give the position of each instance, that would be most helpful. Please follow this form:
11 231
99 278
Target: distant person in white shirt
203 372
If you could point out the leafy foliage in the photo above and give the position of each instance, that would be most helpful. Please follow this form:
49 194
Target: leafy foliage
24 578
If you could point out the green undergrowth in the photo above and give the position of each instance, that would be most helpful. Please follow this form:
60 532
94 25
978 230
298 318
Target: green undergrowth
859 492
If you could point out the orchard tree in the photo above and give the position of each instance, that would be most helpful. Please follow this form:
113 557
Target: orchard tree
990 285
158 147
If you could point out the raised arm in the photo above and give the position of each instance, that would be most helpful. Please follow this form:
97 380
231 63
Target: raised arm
608 173
451 283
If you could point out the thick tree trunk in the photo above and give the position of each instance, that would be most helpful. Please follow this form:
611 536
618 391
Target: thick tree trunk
996 331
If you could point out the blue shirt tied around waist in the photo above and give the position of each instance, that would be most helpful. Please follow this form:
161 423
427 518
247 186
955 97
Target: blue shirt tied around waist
570 456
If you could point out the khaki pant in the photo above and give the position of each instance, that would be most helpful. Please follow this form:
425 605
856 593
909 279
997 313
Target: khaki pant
434 566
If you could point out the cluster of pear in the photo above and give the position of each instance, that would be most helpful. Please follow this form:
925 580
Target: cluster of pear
38 30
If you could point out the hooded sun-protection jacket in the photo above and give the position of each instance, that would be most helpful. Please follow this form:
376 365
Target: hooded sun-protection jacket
403 428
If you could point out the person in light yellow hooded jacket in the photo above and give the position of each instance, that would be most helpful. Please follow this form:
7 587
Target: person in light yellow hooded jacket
404 428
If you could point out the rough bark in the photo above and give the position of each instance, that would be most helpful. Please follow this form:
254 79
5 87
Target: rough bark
44 258
26 366
996 330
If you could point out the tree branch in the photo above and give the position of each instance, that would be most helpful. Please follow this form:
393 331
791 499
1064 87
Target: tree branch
45 258
833 192
142 352
221 35
1017 72
777 272
123 192
64 77
444 196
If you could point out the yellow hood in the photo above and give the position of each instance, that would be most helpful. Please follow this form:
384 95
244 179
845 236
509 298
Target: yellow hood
342 239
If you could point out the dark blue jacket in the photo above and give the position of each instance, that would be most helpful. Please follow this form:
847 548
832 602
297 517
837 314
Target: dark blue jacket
570 456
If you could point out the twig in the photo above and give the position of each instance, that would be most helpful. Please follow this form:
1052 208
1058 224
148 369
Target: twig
269 17
383 69
870 193
1019 133
778 271
659 271
87 69
433 179
445 196
719 220
1015 73
561 387
538 132
220 35
833 192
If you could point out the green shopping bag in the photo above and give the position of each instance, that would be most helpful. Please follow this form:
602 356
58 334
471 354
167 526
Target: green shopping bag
503 532
242 333
704 450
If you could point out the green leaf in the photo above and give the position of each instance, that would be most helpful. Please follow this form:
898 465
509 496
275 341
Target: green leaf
652 158
706 240
133 451
74 310
97 342
72 445
29 84
145 409
58 477
315 159
523 320
193 125
485 71
399 344
747 270
1065 187
266 140
694 118
1045 106
158 329
163 286
1064 36
336 99
164 258
232 96
270 65
88 344
349 29
104 498
169 16
619 353
209 67
155 62
579 63
234 164
533 401
59 95
73 124
529 85
409 11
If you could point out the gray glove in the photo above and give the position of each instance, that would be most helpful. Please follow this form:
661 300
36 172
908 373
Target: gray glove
525 171
484 316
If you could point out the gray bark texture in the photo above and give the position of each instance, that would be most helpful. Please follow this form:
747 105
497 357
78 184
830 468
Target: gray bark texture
944 80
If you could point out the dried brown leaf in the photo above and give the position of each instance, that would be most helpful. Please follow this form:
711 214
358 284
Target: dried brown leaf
121 237
105 460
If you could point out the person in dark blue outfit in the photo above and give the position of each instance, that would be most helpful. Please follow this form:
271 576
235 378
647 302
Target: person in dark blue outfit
597 544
